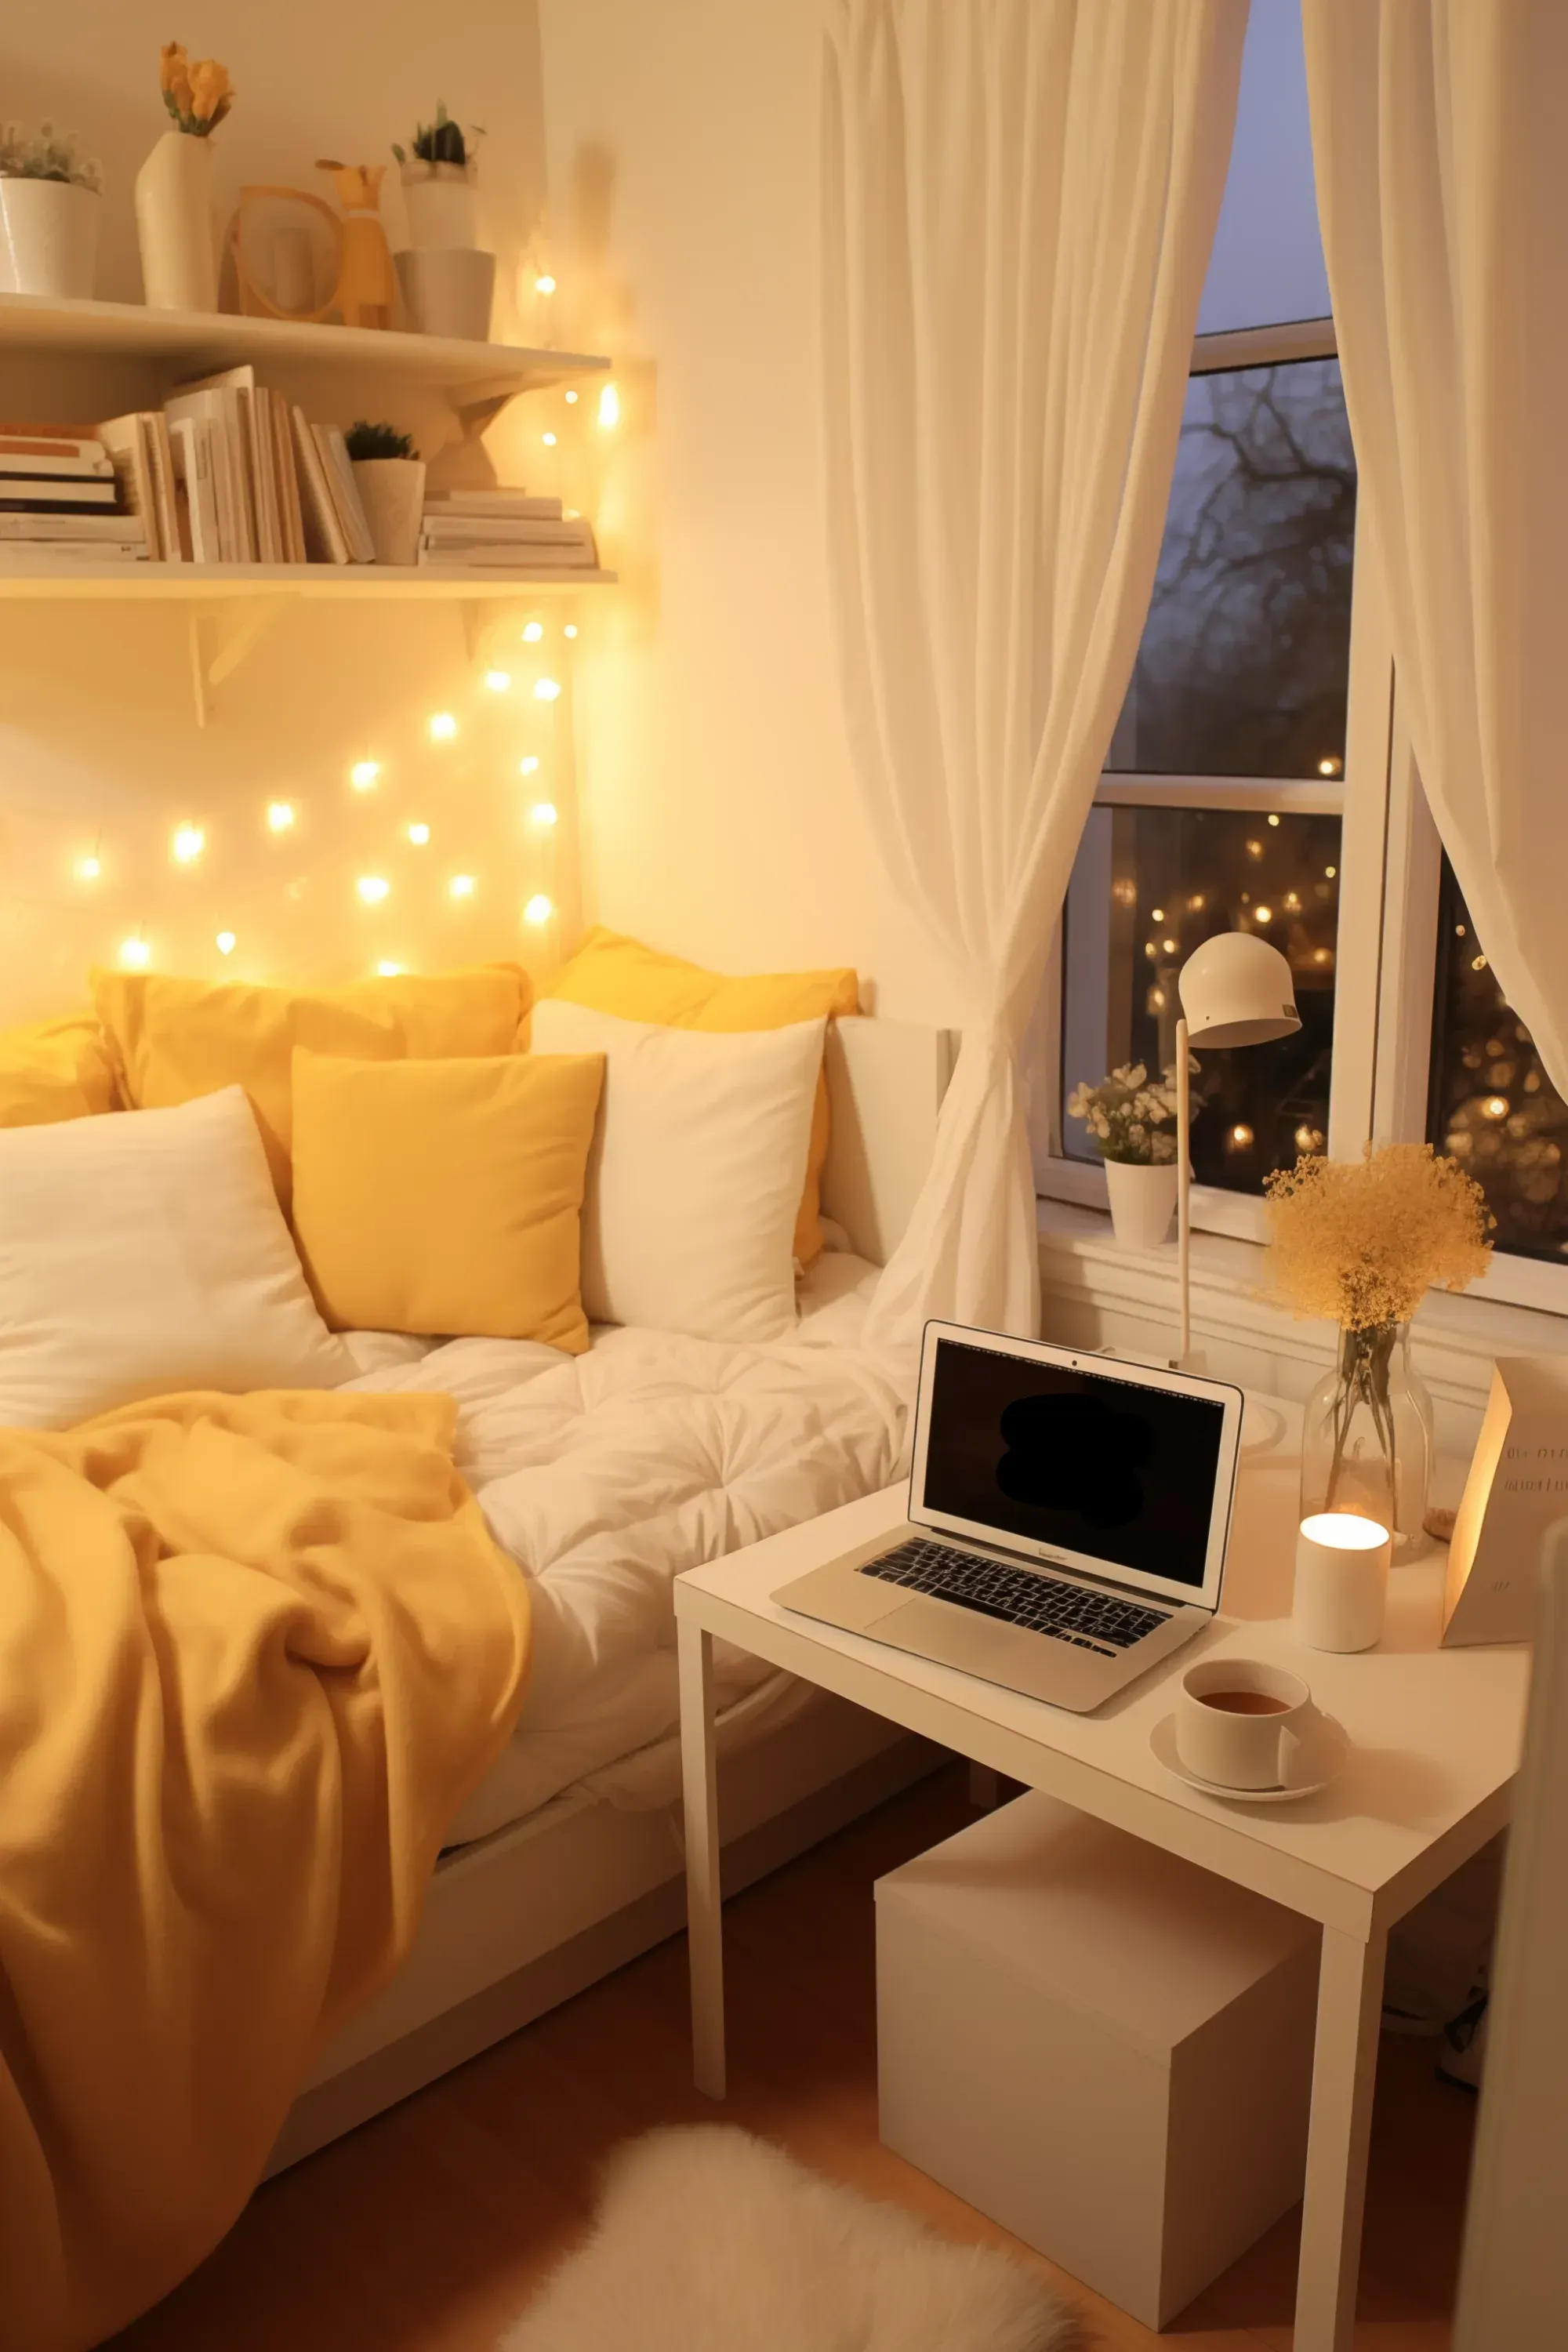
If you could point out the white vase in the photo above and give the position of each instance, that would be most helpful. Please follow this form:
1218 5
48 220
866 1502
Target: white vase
1142 1203
48 237
442 203
392 492
174 224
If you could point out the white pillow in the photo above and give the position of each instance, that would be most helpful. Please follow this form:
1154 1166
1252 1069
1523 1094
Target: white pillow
143 1253
696 1171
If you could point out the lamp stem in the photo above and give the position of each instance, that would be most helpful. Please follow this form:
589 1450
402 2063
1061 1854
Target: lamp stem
1183 1188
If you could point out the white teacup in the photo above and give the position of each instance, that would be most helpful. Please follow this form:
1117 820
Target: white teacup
1241 1724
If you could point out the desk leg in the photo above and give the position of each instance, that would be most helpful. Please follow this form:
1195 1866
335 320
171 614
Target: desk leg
1344 2070
704 1915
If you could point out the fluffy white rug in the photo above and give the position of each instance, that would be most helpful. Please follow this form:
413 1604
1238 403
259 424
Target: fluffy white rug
710 2241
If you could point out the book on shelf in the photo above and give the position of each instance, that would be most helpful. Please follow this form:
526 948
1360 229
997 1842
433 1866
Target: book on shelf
325 540
46 454
74 532
328 439
519 504
55 494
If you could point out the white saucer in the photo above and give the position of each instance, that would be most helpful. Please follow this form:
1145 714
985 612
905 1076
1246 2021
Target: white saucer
1326 1762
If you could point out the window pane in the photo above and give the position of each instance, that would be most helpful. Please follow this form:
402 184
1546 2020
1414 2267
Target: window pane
1489 1102
1245 653
1148 886
1267 260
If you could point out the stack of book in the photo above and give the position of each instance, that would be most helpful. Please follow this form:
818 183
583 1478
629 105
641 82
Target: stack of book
502 530
59 497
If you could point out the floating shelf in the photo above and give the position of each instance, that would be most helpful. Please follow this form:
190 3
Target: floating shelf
200 342
202 583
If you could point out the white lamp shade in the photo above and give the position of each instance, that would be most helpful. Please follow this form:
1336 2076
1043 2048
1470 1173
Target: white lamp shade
1235 989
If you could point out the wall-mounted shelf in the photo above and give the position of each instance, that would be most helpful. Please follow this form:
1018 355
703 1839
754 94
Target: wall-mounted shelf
230 607
476 378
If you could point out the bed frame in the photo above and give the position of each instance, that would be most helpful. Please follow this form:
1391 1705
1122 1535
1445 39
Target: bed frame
526 1918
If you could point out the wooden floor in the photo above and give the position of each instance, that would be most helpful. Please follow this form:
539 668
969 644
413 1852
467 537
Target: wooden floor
428 2229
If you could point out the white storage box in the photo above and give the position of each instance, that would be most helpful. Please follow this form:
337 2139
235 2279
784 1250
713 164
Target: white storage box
1105 2049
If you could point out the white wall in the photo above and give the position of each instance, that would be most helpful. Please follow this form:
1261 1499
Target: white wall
99 752
720 813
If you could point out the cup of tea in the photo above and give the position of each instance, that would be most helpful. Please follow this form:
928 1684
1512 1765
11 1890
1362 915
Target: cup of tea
1241 1724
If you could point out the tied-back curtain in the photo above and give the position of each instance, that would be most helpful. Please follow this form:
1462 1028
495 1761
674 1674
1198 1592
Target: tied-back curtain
1019 199
1438 134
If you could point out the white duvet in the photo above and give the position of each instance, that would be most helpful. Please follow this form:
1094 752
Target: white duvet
604 1474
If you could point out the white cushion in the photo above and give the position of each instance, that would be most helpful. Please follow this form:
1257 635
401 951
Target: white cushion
144 1253
695 1175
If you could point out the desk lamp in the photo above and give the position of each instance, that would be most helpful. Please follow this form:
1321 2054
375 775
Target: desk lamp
1235 989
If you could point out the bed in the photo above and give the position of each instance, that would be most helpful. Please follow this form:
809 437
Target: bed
603 1477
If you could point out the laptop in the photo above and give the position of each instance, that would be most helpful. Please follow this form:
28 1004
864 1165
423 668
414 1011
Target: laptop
1068 1519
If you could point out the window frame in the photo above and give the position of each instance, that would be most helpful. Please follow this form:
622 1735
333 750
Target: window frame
1390 873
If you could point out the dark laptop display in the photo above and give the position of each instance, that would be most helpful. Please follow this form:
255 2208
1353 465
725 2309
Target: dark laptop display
1105 1467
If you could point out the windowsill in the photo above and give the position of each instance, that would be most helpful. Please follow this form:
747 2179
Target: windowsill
1084 1268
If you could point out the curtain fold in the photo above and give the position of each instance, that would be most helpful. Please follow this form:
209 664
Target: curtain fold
1019 198
1437 137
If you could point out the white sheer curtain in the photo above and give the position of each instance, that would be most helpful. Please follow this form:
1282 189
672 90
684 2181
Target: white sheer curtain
1019 200
1438 134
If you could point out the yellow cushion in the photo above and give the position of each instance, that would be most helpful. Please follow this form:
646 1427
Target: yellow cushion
54 1070
445 1196
174 1039
615 974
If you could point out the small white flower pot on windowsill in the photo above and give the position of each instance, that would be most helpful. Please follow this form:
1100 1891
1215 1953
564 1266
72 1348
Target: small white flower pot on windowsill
1143 1201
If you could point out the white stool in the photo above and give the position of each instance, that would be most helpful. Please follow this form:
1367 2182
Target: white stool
1104 2048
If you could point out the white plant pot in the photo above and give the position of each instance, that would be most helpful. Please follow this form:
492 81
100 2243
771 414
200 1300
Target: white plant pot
392 492
174 224
442 203
1142 1203
48 236
448 290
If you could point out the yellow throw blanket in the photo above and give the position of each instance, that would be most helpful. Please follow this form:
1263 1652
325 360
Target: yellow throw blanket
254 1653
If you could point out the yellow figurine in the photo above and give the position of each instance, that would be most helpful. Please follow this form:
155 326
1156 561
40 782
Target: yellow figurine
367 282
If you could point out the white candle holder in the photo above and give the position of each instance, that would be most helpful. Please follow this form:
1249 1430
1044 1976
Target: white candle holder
1341 1580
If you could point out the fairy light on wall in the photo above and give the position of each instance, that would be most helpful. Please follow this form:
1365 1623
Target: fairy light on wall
548 439
364 775
539 909
443 726
461 885
135 954
88 869
571 399
570 630
529 766
372 888
187 844
531 632
545 285
225 943
386 970
546 689
499 680
609 407
279 816
419 835
544 814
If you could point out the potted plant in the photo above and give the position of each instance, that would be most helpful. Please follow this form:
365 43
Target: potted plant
49 209
1359 1243
174 187
390 478
438 180
1131 1121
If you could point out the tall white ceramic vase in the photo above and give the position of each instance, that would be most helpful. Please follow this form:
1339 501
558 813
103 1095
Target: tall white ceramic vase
1142 1203
174 224
392 492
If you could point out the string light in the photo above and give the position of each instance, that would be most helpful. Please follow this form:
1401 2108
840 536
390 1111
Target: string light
279 816
545 689
372 888
1308 1139
1255 849
542 812
1330 767
529 766
1264 914
548 439
461 885
1169 946
135 954
1156 914
443 726
532 631
1273 820
570 630
419 835
364 775
499 680
187 844
609 407
388 971
539 909
225 943
572 398
1330 871
88 869
545 285
1241 1138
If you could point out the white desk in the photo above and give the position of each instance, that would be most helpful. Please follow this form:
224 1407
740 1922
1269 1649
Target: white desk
1437 1737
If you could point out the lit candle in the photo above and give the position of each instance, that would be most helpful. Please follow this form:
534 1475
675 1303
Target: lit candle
1341 1580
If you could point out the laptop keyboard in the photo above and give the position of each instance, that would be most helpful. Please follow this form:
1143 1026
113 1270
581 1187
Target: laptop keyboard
1041 1603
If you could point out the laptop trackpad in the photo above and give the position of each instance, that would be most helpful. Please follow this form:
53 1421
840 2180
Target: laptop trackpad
955 1637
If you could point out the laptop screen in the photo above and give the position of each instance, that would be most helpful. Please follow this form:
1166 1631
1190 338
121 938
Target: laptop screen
1106 1469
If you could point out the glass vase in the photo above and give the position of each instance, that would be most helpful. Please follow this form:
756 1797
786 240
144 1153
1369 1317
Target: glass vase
1366 1440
